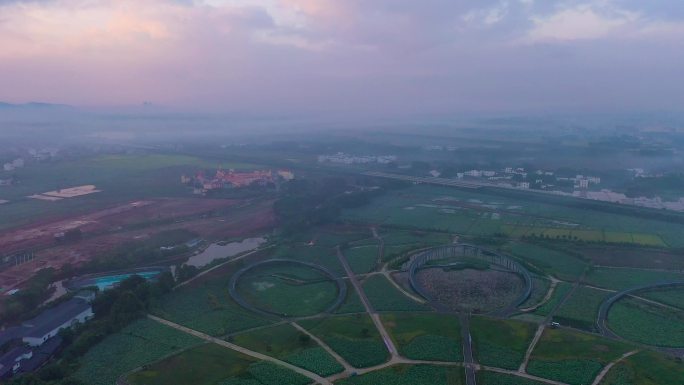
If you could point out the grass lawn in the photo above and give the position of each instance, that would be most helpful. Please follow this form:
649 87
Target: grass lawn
288 344
385 297
540 286
625 278
501 343
550 261
212 364
562 288
410 375
139 343
425 336
362 259
573 357
646 323
353 337
673 296
351 304
288 289
646 368
581 309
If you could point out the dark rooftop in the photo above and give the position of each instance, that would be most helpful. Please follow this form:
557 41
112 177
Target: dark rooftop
54 317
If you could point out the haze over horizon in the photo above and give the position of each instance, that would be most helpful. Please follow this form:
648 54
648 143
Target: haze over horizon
382 57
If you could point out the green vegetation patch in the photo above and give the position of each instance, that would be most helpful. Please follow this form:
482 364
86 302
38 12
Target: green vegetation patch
409 375
561 290
206 306
581 309
495 378
353 337
351 304
647 323
139 343
289 344
672 296
293 290
501 343
385 297
212 364
362 259
625 278
646 368
540 287
422 336
573 357
550 261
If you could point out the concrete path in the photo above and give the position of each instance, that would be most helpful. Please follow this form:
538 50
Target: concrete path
523 375
605 370
367 305
347 367
533 344
468 358
547 297
313 376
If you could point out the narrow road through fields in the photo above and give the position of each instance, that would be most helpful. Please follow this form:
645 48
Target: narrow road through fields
605 370
523 375
367 305
528 353
347 367
313 376
468 358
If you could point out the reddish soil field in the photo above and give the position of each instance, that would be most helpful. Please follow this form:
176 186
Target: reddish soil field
103 230
42 234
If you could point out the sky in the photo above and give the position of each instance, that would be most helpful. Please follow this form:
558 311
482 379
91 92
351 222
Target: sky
384 57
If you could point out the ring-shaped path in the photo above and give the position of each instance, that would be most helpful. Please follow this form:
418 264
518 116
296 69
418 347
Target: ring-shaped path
232 286
459 251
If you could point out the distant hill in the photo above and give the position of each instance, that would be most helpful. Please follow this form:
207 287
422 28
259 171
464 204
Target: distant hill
5 105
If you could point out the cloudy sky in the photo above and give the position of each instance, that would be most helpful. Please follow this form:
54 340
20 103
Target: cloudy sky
346 56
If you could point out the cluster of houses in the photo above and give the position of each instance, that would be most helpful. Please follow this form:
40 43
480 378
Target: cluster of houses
224 179
343 158
29 346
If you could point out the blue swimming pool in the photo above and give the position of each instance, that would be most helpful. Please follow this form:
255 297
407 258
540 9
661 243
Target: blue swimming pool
104 283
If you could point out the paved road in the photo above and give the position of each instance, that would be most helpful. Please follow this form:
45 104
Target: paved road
367 305
313 376
468 359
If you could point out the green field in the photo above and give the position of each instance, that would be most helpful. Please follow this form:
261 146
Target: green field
646 368
385 297
493 378
318 255
351 304
501 343
140 343
646 323
581 308
562 289
212 364
288 344
672 296
353 337
572 357
540 286
293 290
399 242
430 337
205 305
562 265
625 278
409 375
362 259
481 213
